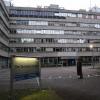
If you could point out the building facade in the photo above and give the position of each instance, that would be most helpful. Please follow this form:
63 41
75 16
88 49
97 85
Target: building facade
55 35
4 35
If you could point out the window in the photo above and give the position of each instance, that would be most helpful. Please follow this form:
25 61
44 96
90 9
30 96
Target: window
4 47
27 40
97 25
50 24
98 17
79 15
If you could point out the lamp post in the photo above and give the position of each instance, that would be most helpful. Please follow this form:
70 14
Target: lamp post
91 47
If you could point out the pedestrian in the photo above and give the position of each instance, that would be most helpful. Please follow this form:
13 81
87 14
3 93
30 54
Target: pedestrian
79 68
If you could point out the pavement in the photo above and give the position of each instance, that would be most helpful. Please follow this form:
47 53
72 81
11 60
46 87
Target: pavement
63 80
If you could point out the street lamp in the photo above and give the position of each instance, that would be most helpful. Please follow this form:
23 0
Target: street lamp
91 47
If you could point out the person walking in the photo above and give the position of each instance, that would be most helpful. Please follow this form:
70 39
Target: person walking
79 68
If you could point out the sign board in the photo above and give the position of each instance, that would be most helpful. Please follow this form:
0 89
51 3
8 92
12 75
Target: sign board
25 68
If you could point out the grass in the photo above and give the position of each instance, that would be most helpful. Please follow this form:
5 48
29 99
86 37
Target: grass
30 94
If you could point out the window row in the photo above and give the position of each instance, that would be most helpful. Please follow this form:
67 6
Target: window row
49 40
78 15
74 32
28 22
53 49
4 47
50 14
67 61
32 13
3 35
47 23
3 62
30 31
87 33
4 25
89 25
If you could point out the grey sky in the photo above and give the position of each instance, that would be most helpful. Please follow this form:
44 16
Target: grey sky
68 4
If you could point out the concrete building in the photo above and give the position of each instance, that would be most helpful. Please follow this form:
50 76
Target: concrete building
95 9
55 35
4 35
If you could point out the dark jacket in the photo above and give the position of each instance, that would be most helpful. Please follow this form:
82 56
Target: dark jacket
79 68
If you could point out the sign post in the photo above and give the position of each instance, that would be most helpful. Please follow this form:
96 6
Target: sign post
11 80
40 73
23 68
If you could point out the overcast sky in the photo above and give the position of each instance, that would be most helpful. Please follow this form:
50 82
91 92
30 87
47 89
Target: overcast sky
68 4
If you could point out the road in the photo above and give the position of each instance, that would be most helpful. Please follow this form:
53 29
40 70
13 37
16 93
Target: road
63 80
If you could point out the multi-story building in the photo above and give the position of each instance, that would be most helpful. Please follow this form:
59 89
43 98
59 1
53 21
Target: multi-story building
4 35
55 35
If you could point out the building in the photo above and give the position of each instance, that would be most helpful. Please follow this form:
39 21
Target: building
95 9
55 35
4 35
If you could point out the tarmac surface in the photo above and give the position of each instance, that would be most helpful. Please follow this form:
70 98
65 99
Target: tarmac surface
63 80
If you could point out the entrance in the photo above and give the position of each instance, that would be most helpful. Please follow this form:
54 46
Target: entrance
71 62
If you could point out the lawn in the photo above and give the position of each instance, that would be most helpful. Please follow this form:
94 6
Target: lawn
30 94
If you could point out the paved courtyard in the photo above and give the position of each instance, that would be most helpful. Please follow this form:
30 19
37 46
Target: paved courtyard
63 80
